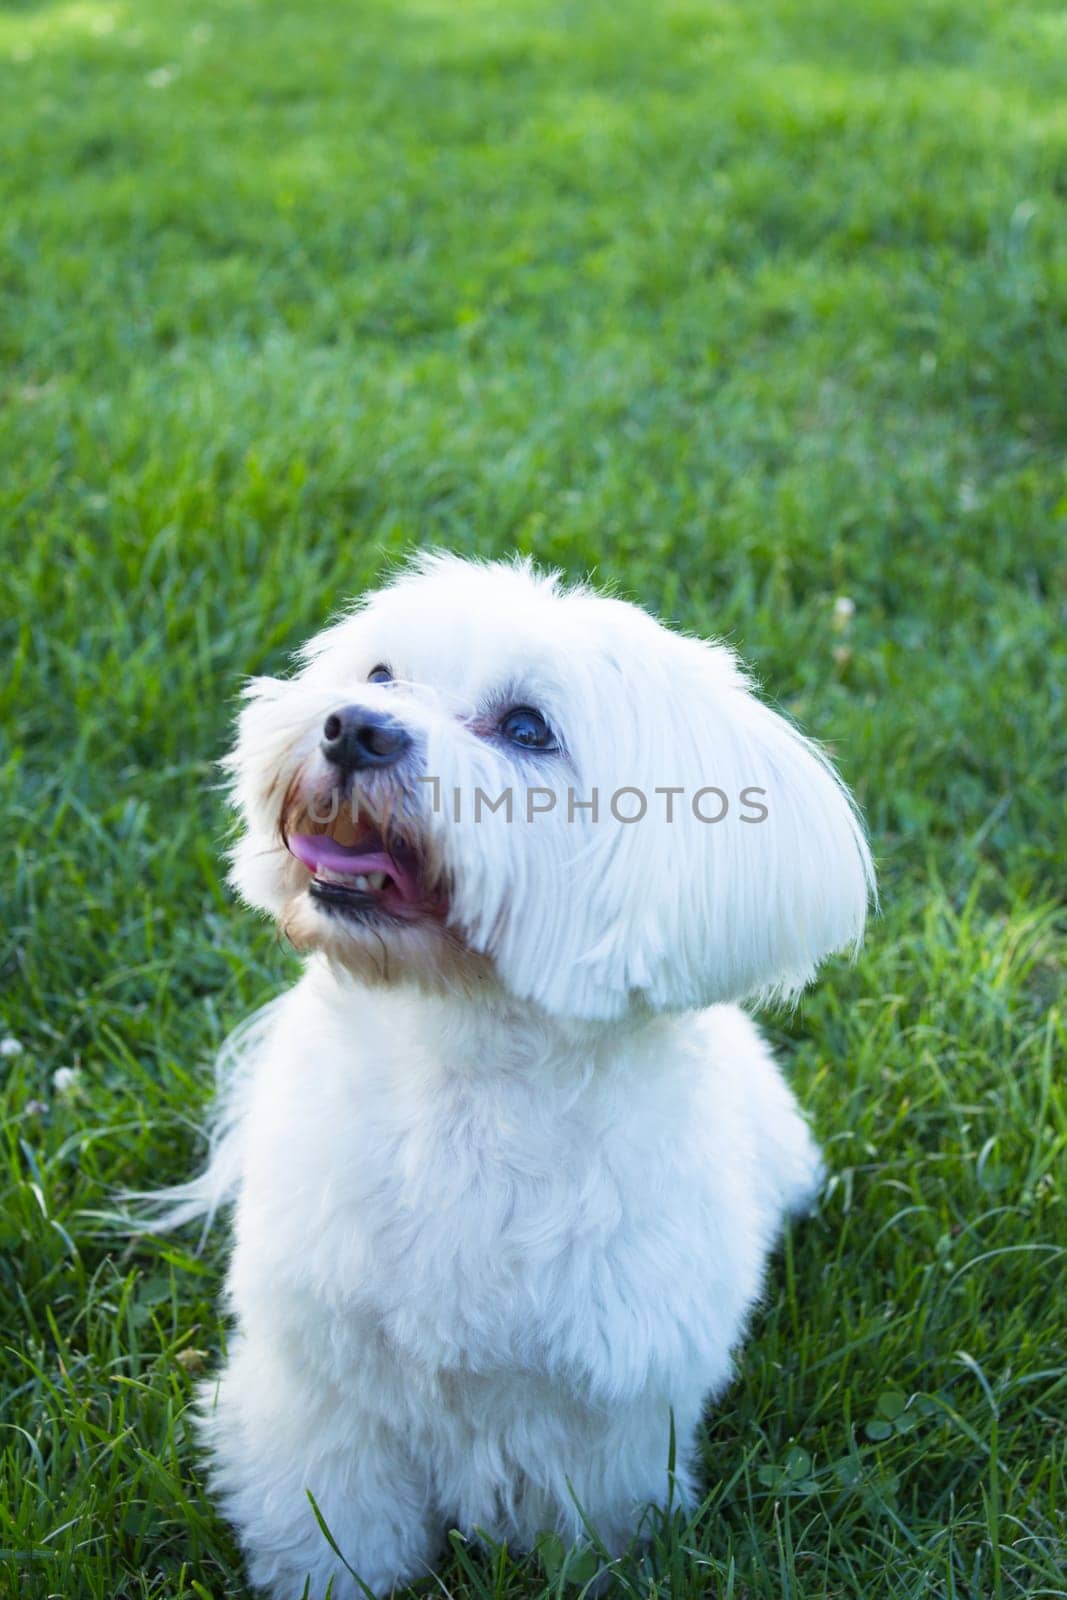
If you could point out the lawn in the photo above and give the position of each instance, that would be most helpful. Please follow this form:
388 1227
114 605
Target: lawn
757 310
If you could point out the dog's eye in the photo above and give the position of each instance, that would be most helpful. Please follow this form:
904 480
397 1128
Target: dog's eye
522 725
379 674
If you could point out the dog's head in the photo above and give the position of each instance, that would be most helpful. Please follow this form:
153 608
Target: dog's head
480 780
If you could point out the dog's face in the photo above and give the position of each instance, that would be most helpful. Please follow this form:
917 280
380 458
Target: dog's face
417 803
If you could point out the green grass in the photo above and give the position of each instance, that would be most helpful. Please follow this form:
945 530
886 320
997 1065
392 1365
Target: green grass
746 306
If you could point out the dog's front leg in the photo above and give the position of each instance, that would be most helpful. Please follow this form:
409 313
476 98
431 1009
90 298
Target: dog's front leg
278 1436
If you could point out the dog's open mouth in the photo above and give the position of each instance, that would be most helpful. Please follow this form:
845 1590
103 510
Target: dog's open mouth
356 868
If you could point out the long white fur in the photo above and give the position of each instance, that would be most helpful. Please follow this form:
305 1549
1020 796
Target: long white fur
504 1193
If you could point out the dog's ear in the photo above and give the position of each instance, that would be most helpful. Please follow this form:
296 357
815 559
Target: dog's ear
271 723
751 902
745 868
735 886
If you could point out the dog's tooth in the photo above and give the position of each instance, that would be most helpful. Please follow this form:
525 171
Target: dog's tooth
377 880
361 880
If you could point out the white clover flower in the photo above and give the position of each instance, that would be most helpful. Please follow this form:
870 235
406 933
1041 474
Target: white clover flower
10 1047
65 1080
844 608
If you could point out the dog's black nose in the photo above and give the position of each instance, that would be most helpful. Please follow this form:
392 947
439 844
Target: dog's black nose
355 737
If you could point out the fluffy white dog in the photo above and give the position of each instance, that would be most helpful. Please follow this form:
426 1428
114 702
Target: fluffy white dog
508 1161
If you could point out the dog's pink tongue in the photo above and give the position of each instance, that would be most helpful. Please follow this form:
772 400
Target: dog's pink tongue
318 850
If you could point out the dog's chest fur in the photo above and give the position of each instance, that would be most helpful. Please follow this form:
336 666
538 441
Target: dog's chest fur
486 1199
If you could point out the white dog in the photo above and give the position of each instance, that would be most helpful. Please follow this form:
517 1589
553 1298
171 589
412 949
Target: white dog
508 1161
